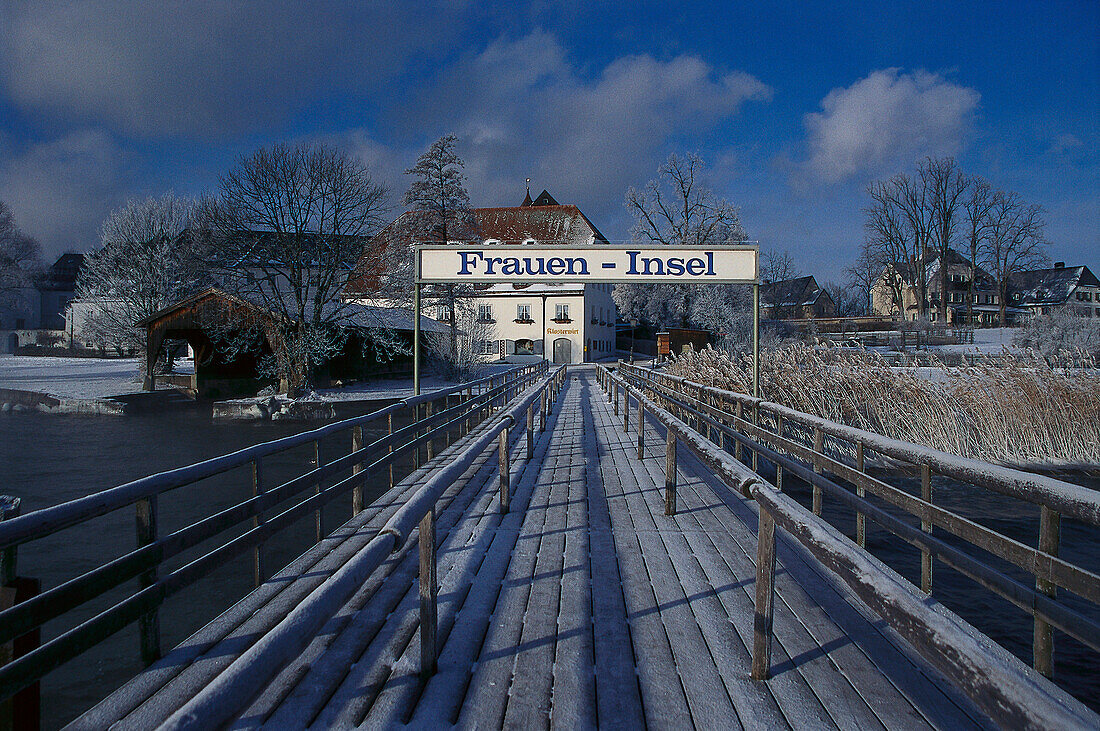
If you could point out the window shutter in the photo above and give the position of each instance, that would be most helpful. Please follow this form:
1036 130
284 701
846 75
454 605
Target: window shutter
538 347
510 348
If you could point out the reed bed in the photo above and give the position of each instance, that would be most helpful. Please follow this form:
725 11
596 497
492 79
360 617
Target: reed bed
1015 408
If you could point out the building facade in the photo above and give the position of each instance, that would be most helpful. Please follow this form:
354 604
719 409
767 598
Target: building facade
1075 290
563 323
955 304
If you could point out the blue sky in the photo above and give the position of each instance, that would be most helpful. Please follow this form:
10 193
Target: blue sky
794 108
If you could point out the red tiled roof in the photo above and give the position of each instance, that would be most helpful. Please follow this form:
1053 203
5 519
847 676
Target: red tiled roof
545 224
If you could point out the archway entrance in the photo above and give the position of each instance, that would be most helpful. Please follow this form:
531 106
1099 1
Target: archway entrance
525 347
563 350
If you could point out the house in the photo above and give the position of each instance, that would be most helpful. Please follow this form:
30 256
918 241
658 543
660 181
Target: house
37 314
1058 289
953 303
565 322
795 299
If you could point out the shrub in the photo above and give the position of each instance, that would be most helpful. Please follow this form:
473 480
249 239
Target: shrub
1012 408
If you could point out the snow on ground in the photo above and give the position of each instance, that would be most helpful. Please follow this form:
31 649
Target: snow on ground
81 378
400 388
986 340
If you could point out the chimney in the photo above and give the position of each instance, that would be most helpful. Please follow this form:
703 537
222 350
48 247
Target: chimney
1059 265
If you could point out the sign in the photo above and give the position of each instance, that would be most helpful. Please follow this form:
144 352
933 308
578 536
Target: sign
596 263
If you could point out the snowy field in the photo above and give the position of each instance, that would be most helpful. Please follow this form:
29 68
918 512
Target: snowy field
89 378
79 378
989 340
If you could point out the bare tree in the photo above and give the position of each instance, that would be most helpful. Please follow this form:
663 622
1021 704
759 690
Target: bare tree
675 209
20 259
285 230
1015 242
462 354
891 242
145 262
946 188
976 217
847 302
863 275
438 194
777 266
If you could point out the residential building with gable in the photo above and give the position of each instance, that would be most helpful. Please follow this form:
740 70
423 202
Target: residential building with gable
563 322
1058 289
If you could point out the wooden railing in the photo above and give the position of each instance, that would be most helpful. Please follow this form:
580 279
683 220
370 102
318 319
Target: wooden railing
434 418
223 697
712 422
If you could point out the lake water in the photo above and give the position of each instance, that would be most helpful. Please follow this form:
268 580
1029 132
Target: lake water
48 459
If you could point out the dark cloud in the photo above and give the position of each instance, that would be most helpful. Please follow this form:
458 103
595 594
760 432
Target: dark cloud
61 190
207 68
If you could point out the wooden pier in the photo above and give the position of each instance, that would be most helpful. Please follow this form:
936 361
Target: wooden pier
602 590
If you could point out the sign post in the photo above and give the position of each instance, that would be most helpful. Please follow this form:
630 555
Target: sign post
606 264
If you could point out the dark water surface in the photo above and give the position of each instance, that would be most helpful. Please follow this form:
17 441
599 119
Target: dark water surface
50 459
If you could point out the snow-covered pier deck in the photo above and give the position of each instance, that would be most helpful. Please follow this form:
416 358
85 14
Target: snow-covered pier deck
583 605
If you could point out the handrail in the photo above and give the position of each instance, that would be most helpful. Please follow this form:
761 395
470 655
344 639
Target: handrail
1018 692
988 674
49 520
1068 499
153 551
223 697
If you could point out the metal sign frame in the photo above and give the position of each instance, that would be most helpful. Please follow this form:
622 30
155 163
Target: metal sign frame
419 249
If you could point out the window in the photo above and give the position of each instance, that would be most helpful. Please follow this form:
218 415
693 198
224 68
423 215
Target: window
485 347
561 312
523 313
485 313
525 347
444 313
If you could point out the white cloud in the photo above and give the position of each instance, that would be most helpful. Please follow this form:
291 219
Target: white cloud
523 110
1065 142
887 118
61 190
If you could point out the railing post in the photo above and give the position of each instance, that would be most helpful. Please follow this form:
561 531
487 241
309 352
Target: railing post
530 432
739 410
861 519
641 427
765 597
357 491
819 449
779 467
755 422
542 408
670 472
428 592
416 435
257 521
616 399
389 430
10 507
926 526
148 624
626 410
318 515
505 491
429 449
469 396
1050 523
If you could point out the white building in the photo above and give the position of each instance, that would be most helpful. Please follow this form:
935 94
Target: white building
565 323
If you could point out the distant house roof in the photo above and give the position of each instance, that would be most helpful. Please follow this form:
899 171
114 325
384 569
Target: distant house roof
63 273
351 314
1048 286
798 292
542 221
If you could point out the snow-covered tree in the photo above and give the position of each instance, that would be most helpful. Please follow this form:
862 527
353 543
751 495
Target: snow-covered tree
284 231
20 259
442 205
675 209
146 262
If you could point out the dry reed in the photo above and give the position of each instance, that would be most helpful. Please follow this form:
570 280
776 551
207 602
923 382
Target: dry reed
1008 409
